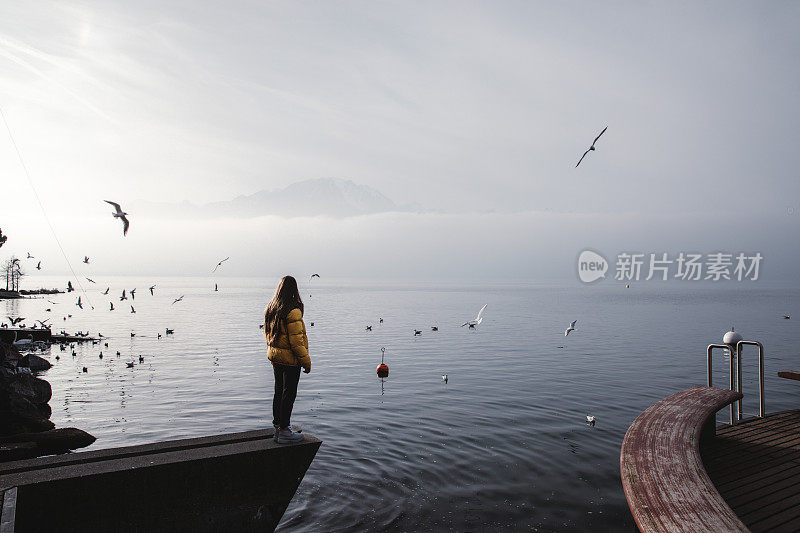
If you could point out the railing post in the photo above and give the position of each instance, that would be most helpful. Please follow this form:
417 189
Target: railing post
727 348
761 402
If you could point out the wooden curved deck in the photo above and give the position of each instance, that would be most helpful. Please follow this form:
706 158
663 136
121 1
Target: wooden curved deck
755 466
663 475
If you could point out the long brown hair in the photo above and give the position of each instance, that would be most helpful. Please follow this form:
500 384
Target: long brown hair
287 297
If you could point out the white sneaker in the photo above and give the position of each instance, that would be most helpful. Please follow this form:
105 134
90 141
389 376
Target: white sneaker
289 436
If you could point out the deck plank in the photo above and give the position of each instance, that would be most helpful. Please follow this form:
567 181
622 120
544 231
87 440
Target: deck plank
755 465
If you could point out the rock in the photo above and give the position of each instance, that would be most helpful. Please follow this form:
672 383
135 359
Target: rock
8 352
21 415
31 388
54 441
18 450
35 363
44 410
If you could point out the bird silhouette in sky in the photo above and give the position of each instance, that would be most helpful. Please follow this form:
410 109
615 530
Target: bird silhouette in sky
591 148
219 264
120 214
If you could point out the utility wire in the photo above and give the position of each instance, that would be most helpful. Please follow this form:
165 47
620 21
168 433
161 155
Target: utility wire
41 206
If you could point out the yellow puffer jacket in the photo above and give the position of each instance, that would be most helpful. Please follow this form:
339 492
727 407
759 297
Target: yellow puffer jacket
292 348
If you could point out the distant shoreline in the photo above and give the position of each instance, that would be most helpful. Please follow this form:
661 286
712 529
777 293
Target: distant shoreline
12 295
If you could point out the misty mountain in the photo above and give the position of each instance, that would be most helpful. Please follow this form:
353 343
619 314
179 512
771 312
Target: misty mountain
323 196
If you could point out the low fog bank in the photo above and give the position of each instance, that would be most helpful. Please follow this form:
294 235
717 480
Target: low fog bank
524 246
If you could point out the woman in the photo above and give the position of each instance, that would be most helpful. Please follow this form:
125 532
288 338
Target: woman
287 349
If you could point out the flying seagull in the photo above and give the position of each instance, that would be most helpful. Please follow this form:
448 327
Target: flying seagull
133 310
216 288
133 293
69 286
152 288
44 323
119 213
177 299
313 276
86 259
39 265
123 297
90 280
591 148
570 328
112 306
106 292
30 256
15 321
79 304
219 264
478 319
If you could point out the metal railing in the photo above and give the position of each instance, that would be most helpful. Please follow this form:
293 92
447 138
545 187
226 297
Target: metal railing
727 349
735 358
761 406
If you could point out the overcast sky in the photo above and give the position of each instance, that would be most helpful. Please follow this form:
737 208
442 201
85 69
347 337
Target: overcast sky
463 107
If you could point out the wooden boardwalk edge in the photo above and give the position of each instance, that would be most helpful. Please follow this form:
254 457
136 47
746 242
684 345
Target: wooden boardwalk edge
662 470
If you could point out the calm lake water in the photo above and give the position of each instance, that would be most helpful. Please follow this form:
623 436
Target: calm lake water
503 445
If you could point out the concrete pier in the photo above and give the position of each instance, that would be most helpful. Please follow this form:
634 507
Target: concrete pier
232 482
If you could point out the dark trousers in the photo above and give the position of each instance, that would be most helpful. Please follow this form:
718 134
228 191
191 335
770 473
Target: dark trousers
286 379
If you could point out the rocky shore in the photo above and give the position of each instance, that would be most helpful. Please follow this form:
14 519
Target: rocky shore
11 295
26 430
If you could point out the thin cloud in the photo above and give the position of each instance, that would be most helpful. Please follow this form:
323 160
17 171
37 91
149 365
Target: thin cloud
7 49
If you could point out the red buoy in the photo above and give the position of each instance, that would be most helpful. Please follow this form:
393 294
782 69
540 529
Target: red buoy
383 369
